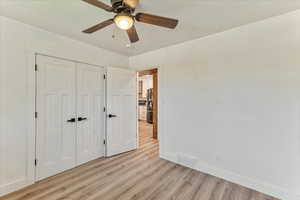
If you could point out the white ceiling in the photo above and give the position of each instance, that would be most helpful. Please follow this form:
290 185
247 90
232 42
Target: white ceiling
198 18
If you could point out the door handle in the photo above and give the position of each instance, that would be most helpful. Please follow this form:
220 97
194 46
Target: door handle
82 119
111 116
72 120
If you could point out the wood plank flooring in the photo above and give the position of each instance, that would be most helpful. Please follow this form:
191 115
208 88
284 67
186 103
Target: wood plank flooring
145 133
137 175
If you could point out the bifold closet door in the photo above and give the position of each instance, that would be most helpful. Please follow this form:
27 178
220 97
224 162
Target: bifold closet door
56 122
121 111
90 112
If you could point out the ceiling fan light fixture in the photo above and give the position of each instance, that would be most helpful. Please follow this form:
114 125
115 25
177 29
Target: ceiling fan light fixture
124 22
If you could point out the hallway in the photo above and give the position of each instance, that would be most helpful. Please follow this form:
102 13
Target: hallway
145 133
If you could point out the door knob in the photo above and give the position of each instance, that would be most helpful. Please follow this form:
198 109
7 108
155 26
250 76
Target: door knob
82 119
111 116
72 120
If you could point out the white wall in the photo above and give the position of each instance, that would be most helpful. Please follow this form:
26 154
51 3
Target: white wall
230 104
18 45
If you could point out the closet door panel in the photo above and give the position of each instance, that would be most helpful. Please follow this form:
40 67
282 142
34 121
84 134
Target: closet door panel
56 137
90 113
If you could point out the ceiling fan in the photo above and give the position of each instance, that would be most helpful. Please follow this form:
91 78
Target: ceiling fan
125 17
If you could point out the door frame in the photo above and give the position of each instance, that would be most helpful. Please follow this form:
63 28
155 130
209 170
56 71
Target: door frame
34 96
154 73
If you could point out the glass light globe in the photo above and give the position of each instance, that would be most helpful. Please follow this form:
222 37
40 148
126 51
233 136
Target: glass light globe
124 22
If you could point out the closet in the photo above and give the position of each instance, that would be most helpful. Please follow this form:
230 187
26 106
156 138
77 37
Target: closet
70 124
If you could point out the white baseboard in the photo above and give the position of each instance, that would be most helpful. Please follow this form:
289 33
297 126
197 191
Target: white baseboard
197 164
169 156
14 186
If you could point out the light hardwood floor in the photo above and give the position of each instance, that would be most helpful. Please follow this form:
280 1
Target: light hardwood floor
137 175
145 133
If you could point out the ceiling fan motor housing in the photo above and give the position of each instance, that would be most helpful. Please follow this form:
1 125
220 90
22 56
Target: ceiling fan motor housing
116 3
120 7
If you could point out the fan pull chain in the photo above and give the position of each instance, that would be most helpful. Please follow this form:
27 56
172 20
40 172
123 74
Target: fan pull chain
114 33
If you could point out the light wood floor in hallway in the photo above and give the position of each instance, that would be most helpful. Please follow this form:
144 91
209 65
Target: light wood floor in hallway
137 175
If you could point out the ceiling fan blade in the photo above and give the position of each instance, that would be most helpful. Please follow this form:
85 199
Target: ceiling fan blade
99 26
131 3
133 35
99 4
156 20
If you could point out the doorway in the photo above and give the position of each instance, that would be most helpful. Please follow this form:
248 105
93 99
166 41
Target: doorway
147 106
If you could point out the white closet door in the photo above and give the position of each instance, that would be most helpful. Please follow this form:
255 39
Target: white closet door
56 127
91 116
122 111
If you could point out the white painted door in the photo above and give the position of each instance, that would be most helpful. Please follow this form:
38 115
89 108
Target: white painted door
56 127
121 111
90 113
